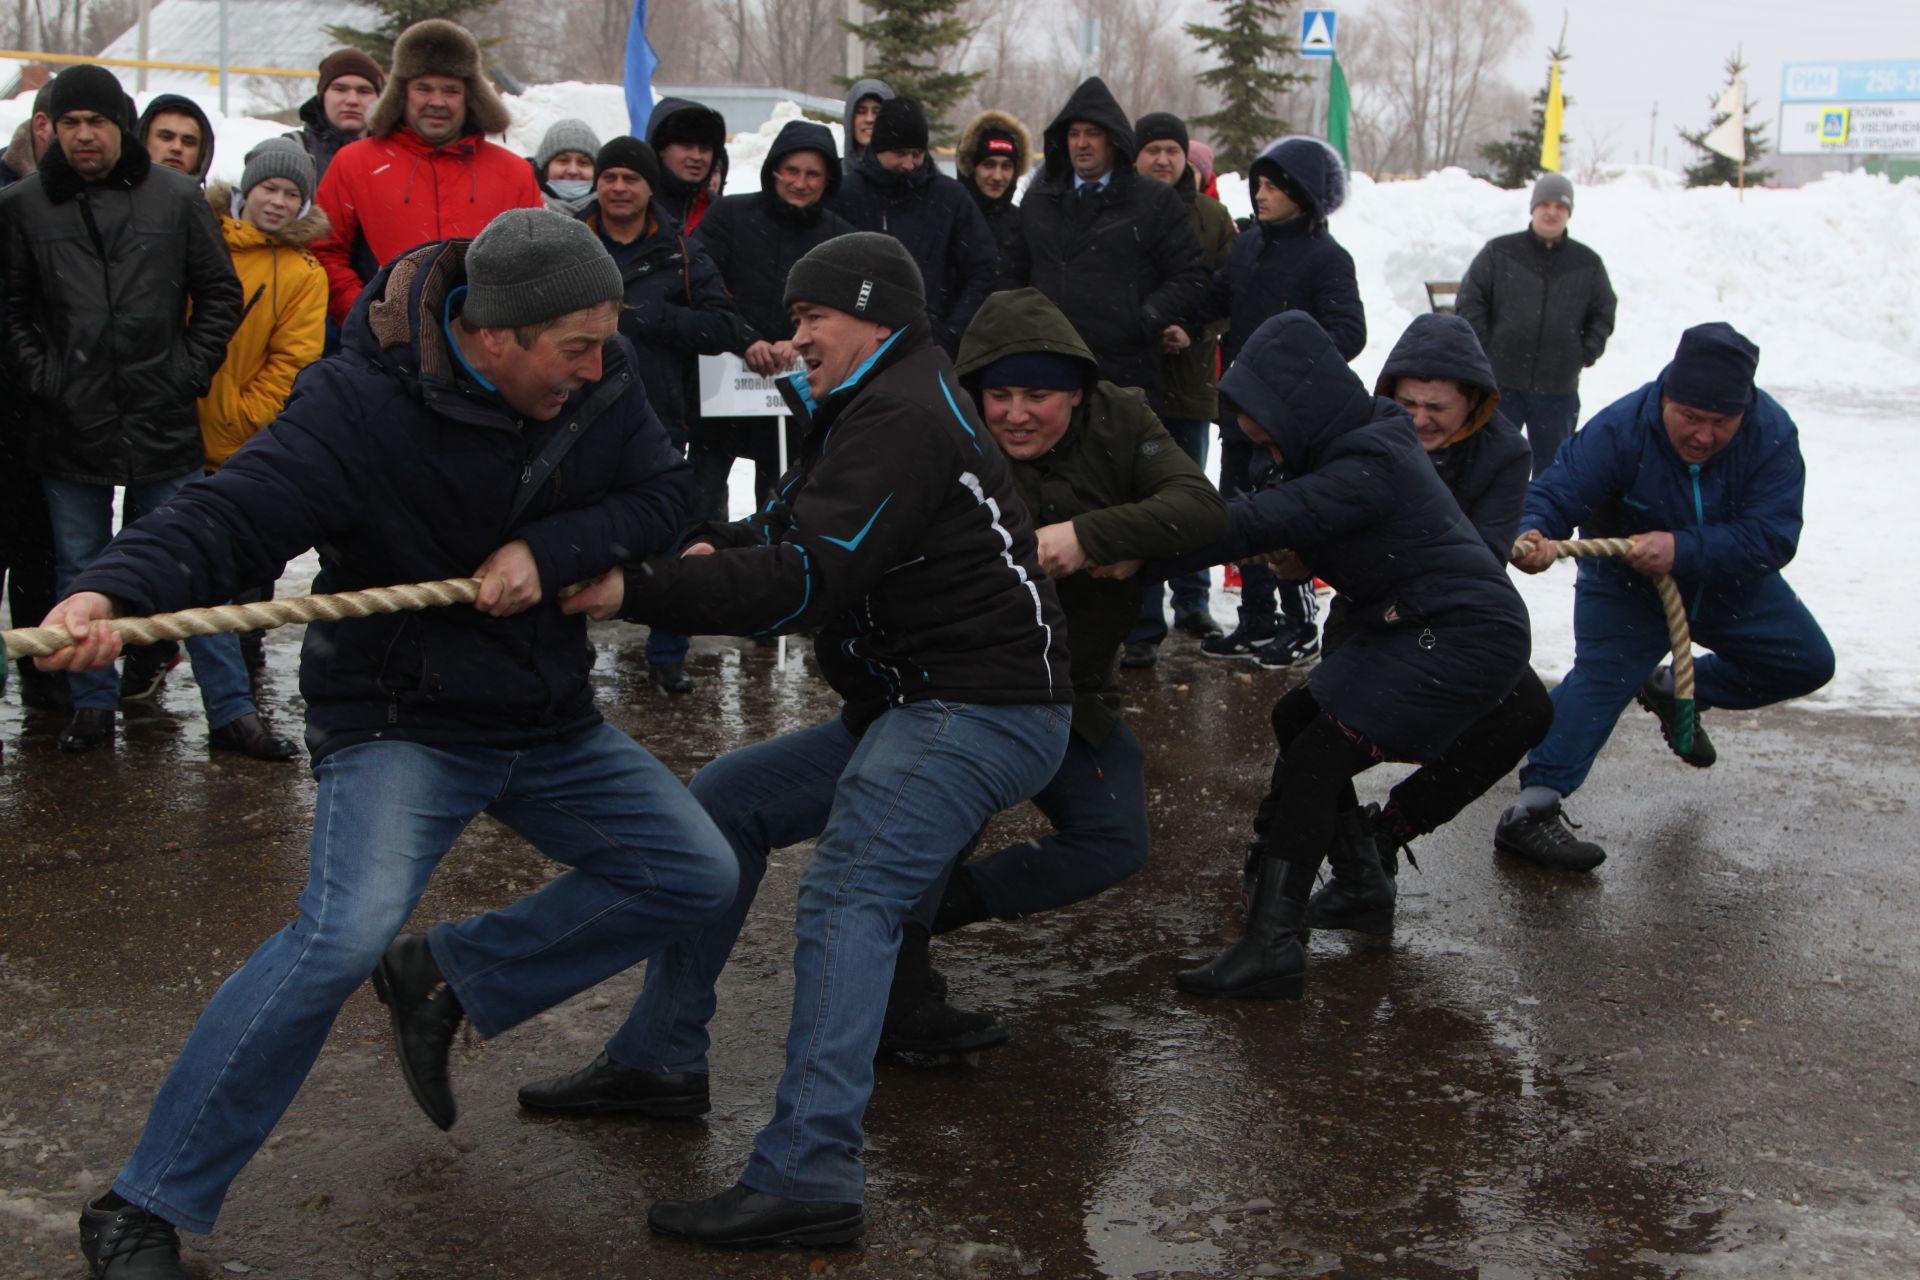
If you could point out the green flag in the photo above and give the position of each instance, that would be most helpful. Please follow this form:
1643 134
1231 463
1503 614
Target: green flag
1339 104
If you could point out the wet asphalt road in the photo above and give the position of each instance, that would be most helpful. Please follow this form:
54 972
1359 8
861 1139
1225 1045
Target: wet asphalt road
1702 1060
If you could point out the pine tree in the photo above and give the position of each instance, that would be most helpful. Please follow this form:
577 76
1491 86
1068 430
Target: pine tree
908 38
1515 160
1715 170
1251 45
401 14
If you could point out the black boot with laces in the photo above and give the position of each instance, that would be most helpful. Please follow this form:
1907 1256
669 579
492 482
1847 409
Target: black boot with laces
1545 837
128 1243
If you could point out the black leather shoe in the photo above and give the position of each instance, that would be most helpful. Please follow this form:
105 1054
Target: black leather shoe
670 677
426 1014
129 1244
90 727
1138 654
604 1087
742 1218
250 737
1700 754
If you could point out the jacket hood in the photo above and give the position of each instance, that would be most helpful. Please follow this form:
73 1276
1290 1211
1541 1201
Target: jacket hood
1004 123
1014 321
861 89
1094 103
312 224
803 135
1315 168
709 125
1291 380
1444 347
177 104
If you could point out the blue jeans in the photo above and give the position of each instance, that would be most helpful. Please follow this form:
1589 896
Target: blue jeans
890 809
1190 590
1549 420
82 517
1097 803
1766 648
648 868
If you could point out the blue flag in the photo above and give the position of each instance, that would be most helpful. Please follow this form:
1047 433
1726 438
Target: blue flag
641 61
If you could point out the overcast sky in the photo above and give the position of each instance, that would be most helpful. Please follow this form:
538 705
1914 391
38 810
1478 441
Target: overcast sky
1629 54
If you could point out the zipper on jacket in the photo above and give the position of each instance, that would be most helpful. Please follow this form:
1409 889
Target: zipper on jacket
1700 519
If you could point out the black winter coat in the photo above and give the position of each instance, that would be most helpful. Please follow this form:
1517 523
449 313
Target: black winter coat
319 136
99 278
754 239
1440 635
938 222
1542 313
899 535
675 309
1487 463
401 469
1122 264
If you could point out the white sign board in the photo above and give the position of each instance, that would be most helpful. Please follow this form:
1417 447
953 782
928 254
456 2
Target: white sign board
1316 33
1850 129
728 389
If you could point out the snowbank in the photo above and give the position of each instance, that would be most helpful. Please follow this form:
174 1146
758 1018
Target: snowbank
1823 277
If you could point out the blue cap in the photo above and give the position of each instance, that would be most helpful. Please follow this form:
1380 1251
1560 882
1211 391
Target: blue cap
1713 369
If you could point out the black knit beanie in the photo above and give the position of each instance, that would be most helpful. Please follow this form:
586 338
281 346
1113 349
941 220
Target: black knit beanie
1160 126
867 274
87 87
1713 369
902 126
628 152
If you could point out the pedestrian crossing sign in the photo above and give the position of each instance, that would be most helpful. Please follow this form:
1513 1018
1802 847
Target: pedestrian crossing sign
1834 122
1316 33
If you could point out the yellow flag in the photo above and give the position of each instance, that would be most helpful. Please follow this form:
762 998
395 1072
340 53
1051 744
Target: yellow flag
1550 136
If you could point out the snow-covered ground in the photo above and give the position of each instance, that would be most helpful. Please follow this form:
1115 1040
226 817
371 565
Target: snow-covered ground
1825 278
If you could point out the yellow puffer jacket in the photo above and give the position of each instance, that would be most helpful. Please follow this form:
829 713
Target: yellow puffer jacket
281 331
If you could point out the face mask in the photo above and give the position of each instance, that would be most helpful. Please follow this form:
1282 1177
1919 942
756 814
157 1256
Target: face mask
571 188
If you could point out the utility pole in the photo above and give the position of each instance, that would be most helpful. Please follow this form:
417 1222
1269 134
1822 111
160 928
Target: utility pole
140 77
856 47
1653 127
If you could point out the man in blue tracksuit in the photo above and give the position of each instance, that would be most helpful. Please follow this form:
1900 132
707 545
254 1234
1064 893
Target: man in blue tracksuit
1703 471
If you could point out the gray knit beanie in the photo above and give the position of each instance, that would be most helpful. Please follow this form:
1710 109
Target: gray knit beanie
532 265
1553 188
565 135
867 274
279 158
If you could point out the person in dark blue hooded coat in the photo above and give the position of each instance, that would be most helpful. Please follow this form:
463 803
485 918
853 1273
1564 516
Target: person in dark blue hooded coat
1287 261
1440 377
1439 634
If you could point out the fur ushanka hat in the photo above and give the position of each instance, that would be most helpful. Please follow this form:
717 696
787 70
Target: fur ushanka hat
437 47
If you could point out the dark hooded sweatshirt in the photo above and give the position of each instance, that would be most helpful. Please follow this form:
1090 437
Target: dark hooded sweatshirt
1487 462
1129 490
860 89
1440 635
688 202
1123 263
320 137
938 222
176 104
755 238
898 535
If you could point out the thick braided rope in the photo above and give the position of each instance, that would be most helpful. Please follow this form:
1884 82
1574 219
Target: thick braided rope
38 642
1679 635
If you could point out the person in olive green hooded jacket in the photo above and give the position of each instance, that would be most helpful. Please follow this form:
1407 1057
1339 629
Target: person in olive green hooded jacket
1106 485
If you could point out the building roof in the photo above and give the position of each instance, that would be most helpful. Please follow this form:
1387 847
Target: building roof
260 33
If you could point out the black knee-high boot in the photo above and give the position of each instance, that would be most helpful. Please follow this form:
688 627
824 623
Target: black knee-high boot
1360 895
1269 962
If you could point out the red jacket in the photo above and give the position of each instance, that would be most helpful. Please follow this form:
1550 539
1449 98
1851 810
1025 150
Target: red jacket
386 195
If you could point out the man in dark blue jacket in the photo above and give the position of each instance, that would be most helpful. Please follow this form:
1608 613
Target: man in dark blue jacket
429 446
1702 470
895 188
1288 261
